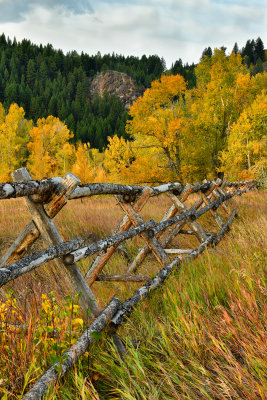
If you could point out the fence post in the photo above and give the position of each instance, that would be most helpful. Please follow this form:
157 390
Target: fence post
52 237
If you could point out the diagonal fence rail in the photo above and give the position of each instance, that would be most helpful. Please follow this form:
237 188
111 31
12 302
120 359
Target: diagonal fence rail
45 198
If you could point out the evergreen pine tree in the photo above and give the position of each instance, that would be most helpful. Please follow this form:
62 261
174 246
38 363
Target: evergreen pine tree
259 50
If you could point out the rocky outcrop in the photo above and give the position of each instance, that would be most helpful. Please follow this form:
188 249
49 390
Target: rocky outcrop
116 83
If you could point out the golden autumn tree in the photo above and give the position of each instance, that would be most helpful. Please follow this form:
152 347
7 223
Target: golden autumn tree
88 164
224 90
157 129
14 135
117 159
50 152
246 153
221 94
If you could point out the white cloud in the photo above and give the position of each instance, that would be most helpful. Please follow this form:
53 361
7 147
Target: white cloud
170 28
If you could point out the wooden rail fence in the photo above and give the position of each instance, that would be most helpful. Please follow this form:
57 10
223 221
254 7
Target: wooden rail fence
46 197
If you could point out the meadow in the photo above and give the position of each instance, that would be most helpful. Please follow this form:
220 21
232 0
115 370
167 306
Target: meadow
202 336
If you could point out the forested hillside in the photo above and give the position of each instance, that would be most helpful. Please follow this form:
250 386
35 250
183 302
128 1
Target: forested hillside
192 122
45 82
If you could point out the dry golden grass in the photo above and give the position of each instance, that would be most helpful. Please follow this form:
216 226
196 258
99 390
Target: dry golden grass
201 337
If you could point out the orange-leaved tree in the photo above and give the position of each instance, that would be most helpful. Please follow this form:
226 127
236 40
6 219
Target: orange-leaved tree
50 152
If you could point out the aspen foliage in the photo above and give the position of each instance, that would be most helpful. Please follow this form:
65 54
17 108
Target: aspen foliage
157 127
50 150
222 92
14 135
88 164
246 153
179 134
117 159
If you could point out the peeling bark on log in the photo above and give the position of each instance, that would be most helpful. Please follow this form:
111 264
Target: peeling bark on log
71 356
21 244
188 232
104 244
93 189
41 188
61 195
178 251
29 263
249 182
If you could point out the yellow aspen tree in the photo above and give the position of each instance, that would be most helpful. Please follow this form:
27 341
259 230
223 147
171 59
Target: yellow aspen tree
224 89
117 159
66 158
14 135
246 153
98 165
48 147
157 127
86 163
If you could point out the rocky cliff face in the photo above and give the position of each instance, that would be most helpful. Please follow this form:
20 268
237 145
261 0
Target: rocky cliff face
116 83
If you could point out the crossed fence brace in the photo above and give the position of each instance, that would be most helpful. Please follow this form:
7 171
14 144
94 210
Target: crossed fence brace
46 198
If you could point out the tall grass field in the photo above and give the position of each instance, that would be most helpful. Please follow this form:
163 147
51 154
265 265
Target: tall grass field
202 336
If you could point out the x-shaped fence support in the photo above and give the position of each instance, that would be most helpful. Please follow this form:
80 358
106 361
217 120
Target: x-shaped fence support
43 226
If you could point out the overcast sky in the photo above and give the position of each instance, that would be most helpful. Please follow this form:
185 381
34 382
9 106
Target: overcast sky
172 29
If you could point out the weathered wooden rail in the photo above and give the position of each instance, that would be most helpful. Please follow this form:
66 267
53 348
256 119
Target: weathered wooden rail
45 198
